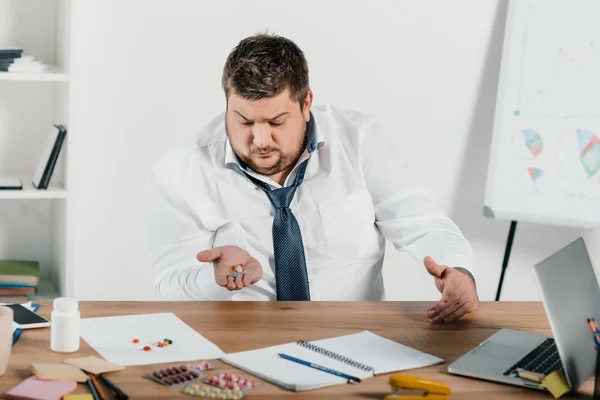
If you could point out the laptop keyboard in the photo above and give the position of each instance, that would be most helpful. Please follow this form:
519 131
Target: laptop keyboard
543 359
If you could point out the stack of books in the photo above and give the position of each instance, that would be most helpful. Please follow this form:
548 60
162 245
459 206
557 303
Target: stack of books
19 277
13 60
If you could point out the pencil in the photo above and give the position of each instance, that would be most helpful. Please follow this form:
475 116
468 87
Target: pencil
592 324
98 387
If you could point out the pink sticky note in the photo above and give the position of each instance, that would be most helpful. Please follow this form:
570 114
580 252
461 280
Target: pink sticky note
33 388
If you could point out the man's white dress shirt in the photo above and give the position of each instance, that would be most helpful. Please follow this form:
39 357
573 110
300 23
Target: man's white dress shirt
356 193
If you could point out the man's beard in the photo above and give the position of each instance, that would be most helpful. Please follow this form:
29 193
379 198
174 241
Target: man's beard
284 162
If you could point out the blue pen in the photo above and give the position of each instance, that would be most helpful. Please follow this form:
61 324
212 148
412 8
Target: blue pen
319 367
93 389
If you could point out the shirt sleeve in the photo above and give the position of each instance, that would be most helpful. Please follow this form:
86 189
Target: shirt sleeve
176 235
405 214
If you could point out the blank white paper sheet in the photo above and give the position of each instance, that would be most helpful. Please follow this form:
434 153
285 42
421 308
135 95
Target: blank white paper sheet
112 338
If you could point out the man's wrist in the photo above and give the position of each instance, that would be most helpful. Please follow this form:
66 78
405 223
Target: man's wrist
466 272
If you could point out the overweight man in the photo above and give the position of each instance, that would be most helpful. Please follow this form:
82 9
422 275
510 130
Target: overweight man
277 199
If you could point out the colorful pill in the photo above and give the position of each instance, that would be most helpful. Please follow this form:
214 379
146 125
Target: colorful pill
136 340
147 348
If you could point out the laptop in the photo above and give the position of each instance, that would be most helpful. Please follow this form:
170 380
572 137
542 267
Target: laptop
570 293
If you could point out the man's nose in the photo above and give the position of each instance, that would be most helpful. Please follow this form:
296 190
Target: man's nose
262 135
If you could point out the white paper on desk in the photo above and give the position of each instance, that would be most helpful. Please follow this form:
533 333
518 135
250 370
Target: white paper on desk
26 305
112 338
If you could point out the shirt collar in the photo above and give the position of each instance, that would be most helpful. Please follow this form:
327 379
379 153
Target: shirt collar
315 140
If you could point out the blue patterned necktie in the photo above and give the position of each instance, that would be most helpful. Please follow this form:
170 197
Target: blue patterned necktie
291 277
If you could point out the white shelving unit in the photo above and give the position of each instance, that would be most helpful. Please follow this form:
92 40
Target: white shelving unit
33 223
53 74
30 192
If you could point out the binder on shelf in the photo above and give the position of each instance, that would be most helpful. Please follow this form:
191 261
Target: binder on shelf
10 183
50 153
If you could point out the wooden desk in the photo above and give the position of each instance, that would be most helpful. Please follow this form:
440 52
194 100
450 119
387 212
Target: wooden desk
236 326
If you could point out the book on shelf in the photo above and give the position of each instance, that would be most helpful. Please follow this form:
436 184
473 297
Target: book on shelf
48 158
13 60
10 183
10 52
19 277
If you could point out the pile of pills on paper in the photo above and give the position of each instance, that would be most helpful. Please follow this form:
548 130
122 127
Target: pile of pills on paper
231 382
211 392
159 343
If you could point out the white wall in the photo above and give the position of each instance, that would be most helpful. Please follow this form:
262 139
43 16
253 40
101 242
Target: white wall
147 73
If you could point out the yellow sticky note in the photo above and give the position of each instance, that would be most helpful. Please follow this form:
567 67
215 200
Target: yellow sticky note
556 384
83 396
94 365
530 376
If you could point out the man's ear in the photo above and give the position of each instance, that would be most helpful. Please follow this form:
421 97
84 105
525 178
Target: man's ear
307 104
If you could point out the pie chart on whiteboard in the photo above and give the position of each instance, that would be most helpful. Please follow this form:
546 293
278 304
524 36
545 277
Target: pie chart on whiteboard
533 180
579 155
527 144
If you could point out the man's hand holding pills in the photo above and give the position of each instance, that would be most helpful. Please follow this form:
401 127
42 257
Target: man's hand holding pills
234 268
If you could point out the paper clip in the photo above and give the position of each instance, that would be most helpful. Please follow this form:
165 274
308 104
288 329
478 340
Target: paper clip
408 387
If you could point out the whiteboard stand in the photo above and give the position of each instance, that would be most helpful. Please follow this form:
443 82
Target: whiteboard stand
507 250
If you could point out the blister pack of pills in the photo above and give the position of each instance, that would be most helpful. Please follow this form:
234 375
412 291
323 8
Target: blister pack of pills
180 374
213 392
231 382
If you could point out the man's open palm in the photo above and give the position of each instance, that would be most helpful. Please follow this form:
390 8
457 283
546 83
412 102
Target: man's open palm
459 296
224 258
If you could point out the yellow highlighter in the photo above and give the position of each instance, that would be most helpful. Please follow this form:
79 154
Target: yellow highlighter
408 387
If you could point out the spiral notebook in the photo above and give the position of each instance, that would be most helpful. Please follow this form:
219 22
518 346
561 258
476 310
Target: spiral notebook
362 355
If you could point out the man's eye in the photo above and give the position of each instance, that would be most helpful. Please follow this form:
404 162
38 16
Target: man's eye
275 123
247 123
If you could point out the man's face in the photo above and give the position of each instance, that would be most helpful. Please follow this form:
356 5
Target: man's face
268 135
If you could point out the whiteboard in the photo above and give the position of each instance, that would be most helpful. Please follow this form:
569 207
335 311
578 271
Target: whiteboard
545 157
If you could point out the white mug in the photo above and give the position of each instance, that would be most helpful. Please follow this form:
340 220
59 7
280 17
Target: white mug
6 335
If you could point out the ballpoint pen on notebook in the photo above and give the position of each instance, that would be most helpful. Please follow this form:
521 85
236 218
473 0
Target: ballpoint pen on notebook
320 367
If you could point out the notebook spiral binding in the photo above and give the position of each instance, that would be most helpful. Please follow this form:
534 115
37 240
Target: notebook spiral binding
335 356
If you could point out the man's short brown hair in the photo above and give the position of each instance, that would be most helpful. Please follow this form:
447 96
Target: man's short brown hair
264 65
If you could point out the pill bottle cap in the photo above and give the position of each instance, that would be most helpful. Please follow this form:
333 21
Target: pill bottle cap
65 304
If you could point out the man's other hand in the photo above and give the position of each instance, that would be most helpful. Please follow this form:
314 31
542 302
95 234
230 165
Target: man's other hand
459 296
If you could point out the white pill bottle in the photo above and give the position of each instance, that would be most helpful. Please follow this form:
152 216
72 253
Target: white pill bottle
64 325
